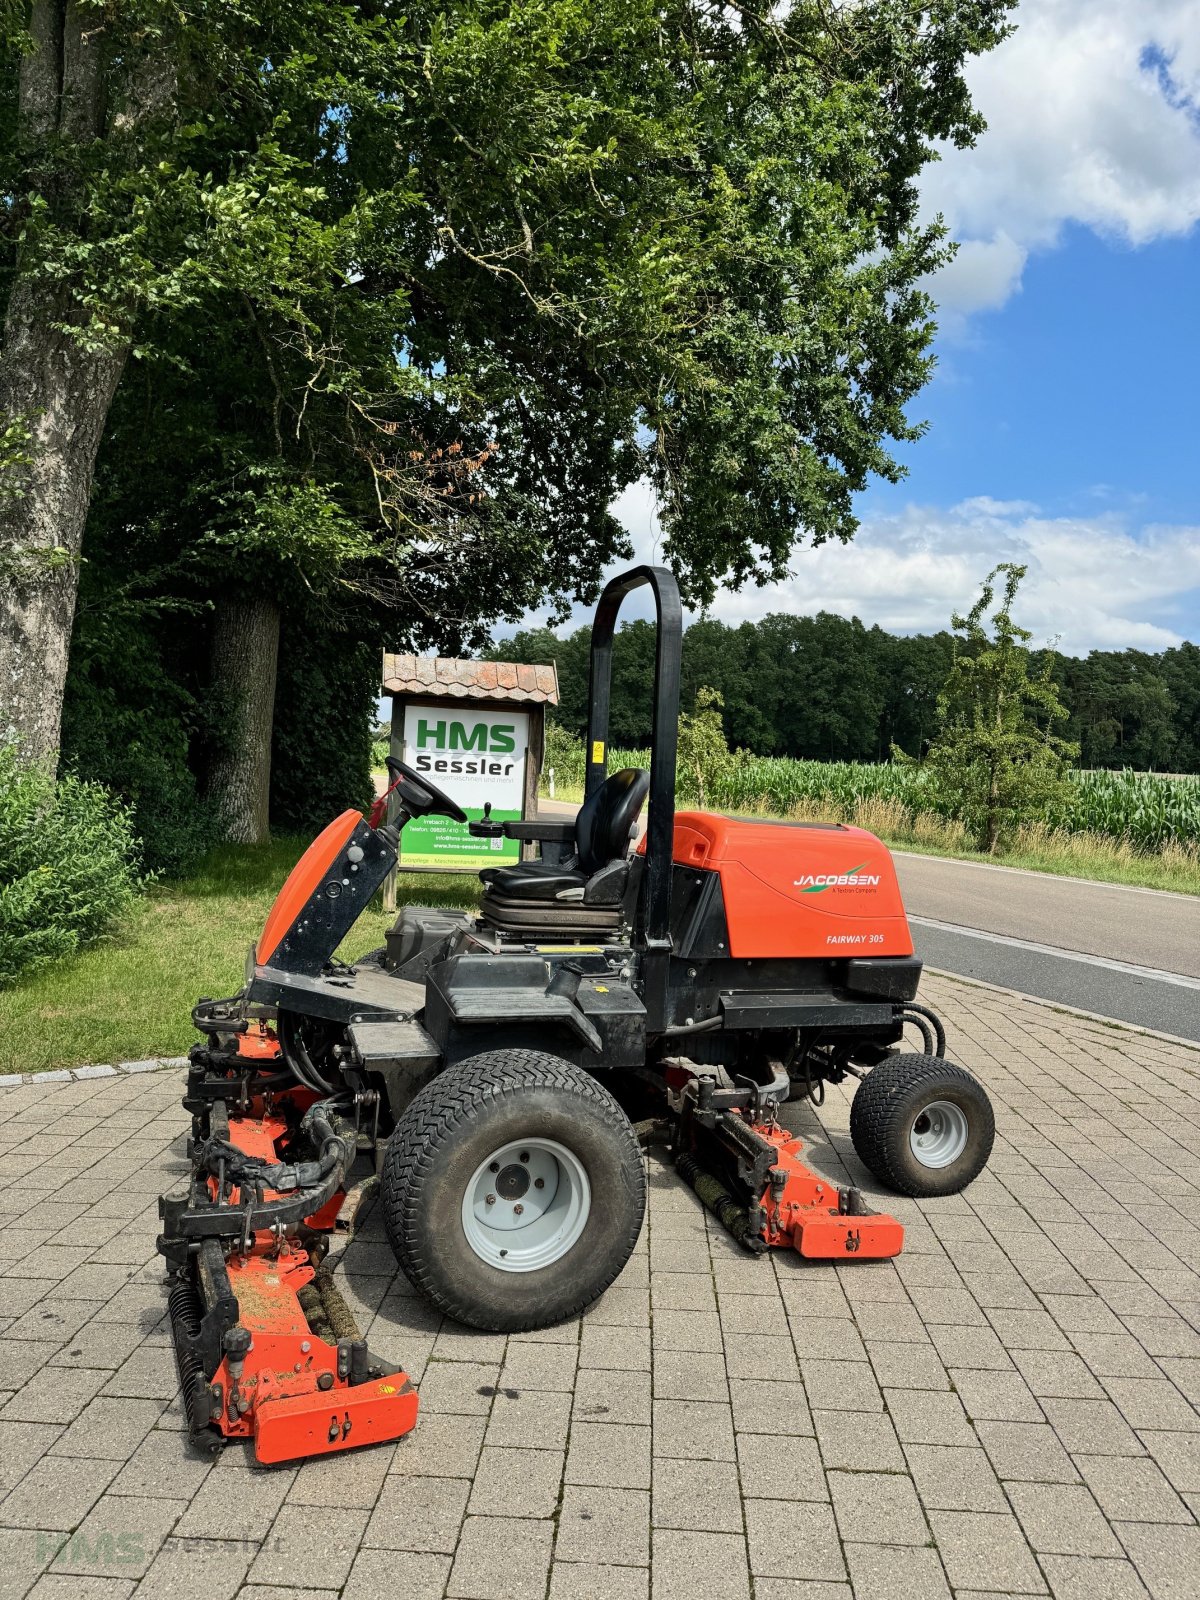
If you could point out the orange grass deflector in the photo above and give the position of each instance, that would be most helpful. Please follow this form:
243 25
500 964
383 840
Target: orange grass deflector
304 880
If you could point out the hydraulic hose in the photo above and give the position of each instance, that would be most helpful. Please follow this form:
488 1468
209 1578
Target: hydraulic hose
295 1053
925 1019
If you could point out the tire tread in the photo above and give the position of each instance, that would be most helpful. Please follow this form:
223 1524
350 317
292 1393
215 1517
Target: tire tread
450 1099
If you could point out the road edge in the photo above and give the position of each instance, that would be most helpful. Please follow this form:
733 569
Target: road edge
1071 1011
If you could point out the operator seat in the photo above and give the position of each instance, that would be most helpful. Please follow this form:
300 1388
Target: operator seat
586 890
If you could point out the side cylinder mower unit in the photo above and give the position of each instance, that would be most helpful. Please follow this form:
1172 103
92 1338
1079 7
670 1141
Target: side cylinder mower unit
266 1346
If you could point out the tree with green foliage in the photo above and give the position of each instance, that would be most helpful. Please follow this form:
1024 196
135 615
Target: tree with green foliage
703 752
416 290
996 761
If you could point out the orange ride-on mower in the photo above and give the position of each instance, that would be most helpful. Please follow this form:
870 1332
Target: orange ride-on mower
504 1069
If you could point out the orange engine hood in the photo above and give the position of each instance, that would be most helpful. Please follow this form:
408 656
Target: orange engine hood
798 889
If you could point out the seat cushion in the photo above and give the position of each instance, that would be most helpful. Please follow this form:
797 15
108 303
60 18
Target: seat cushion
490 874
533 881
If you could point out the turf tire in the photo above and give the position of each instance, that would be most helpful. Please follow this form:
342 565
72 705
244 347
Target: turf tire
888 1102
451 1126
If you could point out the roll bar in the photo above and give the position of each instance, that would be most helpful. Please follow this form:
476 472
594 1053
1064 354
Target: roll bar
660 832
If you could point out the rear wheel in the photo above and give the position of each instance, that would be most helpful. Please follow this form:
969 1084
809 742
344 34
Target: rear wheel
513 1190
922 1125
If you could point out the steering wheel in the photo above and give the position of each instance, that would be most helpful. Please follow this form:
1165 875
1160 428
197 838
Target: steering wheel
420 797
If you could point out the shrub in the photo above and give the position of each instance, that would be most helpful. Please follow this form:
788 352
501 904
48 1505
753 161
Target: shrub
68 864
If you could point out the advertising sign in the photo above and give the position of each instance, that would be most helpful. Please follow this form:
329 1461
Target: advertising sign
473 756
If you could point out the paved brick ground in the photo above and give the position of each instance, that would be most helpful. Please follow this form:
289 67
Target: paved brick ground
1009 1409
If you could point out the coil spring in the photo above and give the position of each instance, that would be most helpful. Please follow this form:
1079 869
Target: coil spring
186 1310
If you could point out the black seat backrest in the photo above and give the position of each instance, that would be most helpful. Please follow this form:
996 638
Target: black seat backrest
606 819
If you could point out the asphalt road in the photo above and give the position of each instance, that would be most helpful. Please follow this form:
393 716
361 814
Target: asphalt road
1129 954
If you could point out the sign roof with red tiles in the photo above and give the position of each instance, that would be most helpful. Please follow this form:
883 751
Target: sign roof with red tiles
446 677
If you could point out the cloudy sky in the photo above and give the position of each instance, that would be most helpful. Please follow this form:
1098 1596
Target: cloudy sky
1063 416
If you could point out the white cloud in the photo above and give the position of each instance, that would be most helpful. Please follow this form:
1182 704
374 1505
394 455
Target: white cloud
1092 110
1092 582
1100 582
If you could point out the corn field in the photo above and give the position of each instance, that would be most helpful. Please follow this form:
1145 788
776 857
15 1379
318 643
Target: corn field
1144 809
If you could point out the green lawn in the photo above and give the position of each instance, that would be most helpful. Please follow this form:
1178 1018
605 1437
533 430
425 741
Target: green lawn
130 995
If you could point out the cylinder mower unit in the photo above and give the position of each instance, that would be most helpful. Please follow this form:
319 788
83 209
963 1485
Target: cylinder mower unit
506 1067
266 1345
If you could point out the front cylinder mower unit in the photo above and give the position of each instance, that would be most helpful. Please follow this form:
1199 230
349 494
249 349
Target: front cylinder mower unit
266 1346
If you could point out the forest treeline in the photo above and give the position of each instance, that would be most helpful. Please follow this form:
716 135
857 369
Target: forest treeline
829 688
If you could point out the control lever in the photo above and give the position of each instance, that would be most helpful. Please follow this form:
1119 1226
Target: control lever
485 828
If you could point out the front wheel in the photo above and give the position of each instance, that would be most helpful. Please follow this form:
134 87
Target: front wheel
922 1125
513 1190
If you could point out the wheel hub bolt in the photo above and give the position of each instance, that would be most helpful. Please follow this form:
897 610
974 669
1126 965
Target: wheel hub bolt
524 1155
494 1166
518 1210
490 1200
539 1183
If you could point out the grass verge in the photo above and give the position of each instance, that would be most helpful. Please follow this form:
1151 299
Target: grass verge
130 995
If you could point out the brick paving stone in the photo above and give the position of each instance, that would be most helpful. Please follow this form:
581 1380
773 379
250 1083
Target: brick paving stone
699 1566
122 1533
788 1540
423 1514
516 1483
770 1463
1062 1519
877 1508
1167 1559
701 1495
501 1559
300 1545
604 1525
609 1455
858 1441
1086 1578
392 1572
573 1581
1027 1452
240 1502
986 1551
196 1569
996 1396
841 1386
1178 1454
1094 1426
896 1572
22 1444
599 1397
955 1478
1152 1403
685 1330
907 1366
688 1375
112 1429
763 1407
1131 1489
701 1432
57 1493
921 1417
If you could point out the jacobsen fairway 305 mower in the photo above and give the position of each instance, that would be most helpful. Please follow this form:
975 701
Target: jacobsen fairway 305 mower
515 1061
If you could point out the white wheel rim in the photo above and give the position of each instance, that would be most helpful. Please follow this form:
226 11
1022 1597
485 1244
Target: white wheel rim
526 1205
939 1134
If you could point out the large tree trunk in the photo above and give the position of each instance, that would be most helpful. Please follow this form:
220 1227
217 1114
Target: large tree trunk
245 654
54 389
62 393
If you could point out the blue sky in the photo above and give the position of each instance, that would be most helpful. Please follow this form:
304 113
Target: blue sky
1063 414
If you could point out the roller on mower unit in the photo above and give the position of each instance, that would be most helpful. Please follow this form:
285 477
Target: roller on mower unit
501 1072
